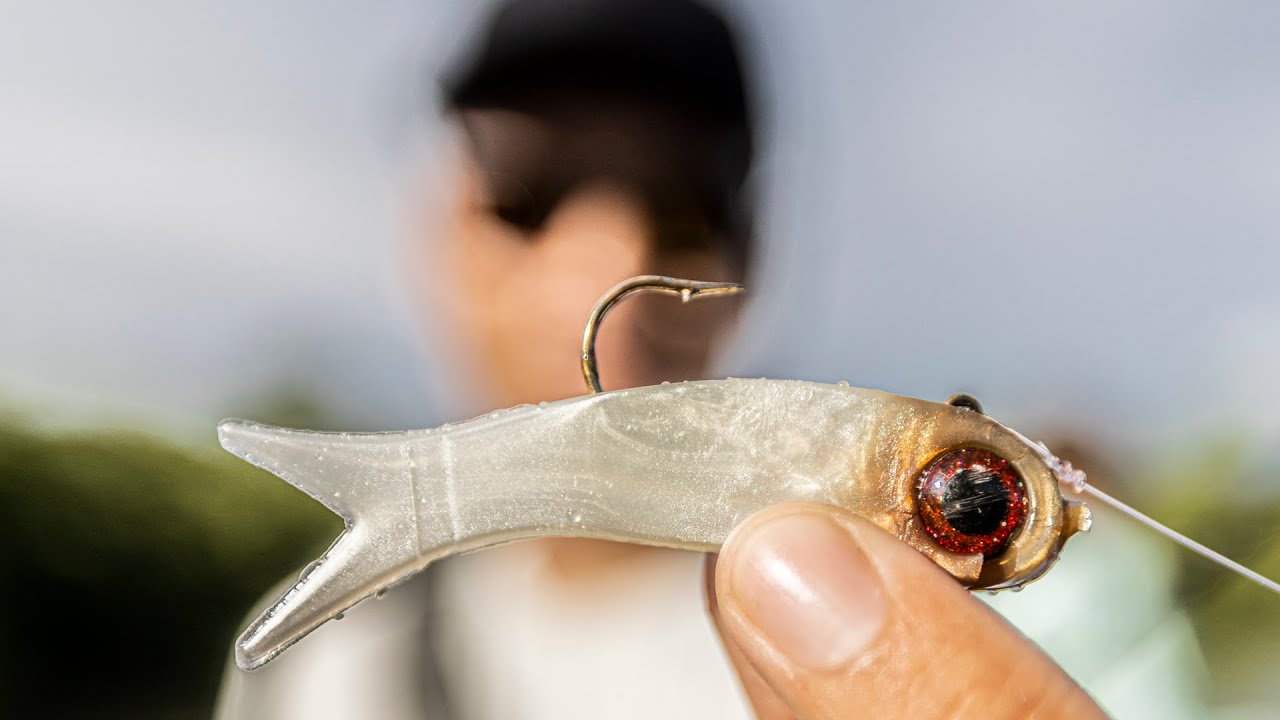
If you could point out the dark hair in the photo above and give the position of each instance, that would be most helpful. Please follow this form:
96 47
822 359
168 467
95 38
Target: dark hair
676 54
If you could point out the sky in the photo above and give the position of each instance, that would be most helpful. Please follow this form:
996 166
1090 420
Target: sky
1069 210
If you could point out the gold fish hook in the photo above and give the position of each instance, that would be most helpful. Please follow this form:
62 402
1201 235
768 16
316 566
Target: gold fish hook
686 289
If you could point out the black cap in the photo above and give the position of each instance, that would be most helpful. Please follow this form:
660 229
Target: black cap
535 55
673 51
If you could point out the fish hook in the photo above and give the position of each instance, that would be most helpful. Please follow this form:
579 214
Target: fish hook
686 289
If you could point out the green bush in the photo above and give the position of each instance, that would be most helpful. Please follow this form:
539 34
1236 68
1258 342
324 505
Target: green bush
126 565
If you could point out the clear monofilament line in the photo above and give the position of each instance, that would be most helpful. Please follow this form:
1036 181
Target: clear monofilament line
1185 541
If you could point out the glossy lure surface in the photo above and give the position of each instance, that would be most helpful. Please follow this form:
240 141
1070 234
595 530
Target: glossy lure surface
677 465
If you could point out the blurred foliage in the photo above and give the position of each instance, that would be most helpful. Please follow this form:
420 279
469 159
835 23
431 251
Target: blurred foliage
1208 491
127 565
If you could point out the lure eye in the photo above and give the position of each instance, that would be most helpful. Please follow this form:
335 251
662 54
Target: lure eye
972 501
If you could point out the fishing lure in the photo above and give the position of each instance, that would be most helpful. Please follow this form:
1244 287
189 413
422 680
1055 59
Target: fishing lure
677 465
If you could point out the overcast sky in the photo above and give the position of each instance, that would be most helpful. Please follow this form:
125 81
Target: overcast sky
1069 209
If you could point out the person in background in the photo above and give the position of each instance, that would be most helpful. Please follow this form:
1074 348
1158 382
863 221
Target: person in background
598 141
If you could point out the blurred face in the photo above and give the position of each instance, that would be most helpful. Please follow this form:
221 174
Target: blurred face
546 219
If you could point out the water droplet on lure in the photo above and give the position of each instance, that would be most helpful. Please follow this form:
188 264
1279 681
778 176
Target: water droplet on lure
843 383
686 295
575 517
339 616
310 568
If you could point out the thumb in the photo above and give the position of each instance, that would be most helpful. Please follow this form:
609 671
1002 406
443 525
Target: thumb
840 619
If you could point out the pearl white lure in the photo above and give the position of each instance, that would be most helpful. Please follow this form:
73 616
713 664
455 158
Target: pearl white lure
677 465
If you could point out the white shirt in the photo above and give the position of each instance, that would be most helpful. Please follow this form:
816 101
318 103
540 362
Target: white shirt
510 638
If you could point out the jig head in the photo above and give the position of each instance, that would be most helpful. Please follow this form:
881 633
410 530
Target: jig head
676 465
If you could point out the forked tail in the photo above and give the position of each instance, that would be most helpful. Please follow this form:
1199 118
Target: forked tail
367 480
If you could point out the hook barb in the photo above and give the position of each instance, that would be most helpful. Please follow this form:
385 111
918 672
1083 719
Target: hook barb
686 289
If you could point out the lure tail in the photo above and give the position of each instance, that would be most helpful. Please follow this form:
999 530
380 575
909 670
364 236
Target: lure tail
348 474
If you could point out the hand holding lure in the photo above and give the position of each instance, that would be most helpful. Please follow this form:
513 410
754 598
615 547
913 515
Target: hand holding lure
676 465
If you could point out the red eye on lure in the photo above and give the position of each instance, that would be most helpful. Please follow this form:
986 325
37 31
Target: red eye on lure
972 501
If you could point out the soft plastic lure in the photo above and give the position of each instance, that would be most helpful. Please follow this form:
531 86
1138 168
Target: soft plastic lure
678 465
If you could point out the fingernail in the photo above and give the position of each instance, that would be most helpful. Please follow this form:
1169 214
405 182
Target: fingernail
804 584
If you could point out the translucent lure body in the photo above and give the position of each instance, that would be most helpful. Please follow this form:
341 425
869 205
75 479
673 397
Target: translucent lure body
677 465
